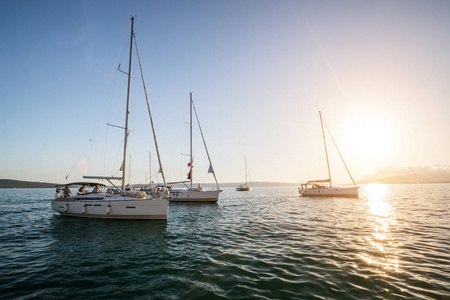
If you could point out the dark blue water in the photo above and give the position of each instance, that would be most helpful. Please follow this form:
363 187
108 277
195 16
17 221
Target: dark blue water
393 242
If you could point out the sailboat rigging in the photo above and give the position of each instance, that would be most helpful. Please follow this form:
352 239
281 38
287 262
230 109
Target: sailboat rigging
195 194
115 203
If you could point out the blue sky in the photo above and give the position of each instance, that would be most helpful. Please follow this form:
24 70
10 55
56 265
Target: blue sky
259 72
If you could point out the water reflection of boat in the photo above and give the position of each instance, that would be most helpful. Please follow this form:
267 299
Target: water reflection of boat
115 203
106 236
324 187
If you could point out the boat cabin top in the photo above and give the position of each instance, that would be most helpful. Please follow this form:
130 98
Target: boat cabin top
316 184
84 188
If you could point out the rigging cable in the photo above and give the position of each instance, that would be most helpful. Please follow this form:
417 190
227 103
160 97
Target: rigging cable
150 115
340 154
211 170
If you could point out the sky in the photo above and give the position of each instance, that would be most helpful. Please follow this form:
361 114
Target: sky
260 71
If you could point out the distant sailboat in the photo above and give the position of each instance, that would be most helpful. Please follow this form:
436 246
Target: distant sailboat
245 187
115 203
191 193
324 187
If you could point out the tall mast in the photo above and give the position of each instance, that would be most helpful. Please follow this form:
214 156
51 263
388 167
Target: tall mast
190 125
128 108
246 184
326 152
150 164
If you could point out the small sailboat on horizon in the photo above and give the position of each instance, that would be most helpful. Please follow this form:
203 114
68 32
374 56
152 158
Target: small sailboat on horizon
324 187
245 187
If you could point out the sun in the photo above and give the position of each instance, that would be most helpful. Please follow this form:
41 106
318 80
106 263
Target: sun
369 136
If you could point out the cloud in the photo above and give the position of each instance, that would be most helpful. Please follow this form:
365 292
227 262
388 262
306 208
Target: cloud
412 174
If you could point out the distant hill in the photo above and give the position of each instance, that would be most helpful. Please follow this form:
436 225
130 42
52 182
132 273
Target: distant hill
402 180
9 184
408 175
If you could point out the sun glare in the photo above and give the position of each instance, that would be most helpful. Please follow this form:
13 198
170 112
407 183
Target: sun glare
369 136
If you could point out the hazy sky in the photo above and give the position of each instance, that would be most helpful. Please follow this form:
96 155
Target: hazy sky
259 71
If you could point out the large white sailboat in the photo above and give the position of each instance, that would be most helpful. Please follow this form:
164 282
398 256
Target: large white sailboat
114 203
324 187
245 187
191 193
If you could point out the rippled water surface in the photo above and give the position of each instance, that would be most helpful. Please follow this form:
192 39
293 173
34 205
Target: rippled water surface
392 242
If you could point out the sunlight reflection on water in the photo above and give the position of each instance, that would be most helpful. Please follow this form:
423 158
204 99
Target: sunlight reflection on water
382 252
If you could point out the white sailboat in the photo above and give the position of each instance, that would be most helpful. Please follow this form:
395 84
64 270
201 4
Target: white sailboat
191 193
114 203
324 187
245 187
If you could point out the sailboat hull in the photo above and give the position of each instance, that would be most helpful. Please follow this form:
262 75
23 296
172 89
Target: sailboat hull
351 192
133 209
194 196
244 188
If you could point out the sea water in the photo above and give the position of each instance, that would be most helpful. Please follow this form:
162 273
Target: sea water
393 242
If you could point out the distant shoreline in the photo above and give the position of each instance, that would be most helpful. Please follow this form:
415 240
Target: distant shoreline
19 184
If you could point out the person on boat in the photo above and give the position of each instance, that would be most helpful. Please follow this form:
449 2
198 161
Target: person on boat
96 189
67 191
81 190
